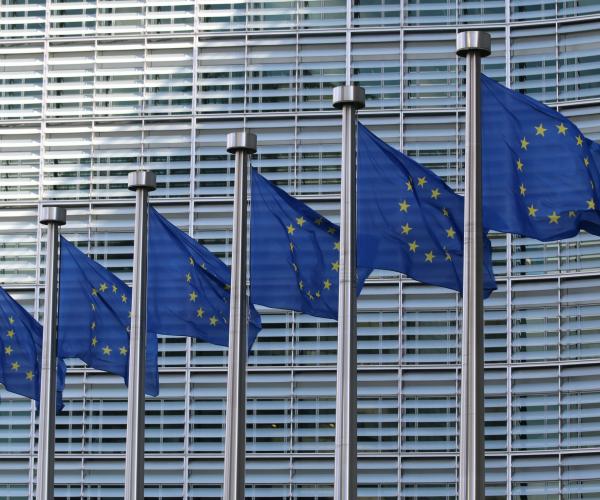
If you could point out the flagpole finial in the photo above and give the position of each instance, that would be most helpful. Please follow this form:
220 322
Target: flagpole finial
479 41
53 215
348 94
241 141
141 179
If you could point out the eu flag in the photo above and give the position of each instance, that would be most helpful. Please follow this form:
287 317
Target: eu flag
21 344
295 253
537 167
409 220
94 314
188 287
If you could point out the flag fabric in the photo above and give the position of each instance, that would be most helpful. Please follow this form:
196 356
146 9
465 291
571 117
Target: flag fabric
409 220
94 317
295 253
21 344
538 168
188 287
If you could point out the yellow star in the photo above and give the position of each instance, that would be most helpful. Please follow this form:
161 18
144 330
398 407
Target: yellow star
553 217
448 256
522 189
579 141
291 247
413 246
11 320
586 161
191 261
15 366
572 213
429 256
327 284
406 228
93 306
29 375
435 193
335 266
591 204
193 296
524 143
336 246
540 130
310 295
562 129
93 325
331 230
94 341
409 186
445 212
404 206
129 314
226 287
291 229
213 321
519 165
421 181
103 287
8 350
451 232
319 221
94 292
301 285
123 351
106 350
318 294
114 288
10 334
294 266
188 277
200 313
532 210
300 221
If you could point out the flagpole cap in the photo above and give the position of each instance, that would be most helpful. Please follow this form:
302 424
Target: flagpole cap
141 179
348 94
53 215
241 141
474 41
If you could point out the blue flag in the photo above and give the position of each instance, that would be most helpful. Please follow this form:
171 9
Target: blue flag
409 220
94 317
188 287
538 178
295 253
21 344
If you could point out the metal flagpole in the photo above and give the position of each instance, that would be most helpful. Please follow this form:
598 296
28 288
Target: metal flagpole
242 144
51 217
473 45
348 98
142 182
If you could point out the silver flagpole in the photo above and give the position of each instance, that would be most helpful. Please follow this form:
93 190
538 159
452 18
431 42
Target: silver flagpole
348 98
242 144
142 182
51 217
473 45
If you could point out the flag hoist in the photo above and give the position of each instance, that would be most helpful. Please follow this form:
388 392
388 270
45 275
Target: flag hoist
348 98
53 217
142 182
242 144
473 45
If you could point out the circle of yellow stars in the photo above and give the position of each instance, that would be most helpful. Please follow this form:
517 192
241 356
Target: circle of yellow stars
541 131
104 288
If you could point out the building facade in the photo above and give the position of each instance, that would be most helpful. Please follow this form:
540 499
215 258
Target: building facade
92 89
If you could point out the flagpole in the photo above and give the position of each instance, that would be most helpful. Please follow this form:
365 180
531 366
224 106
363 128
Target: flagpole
473 45
142 182
242 144
53 217
348 98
